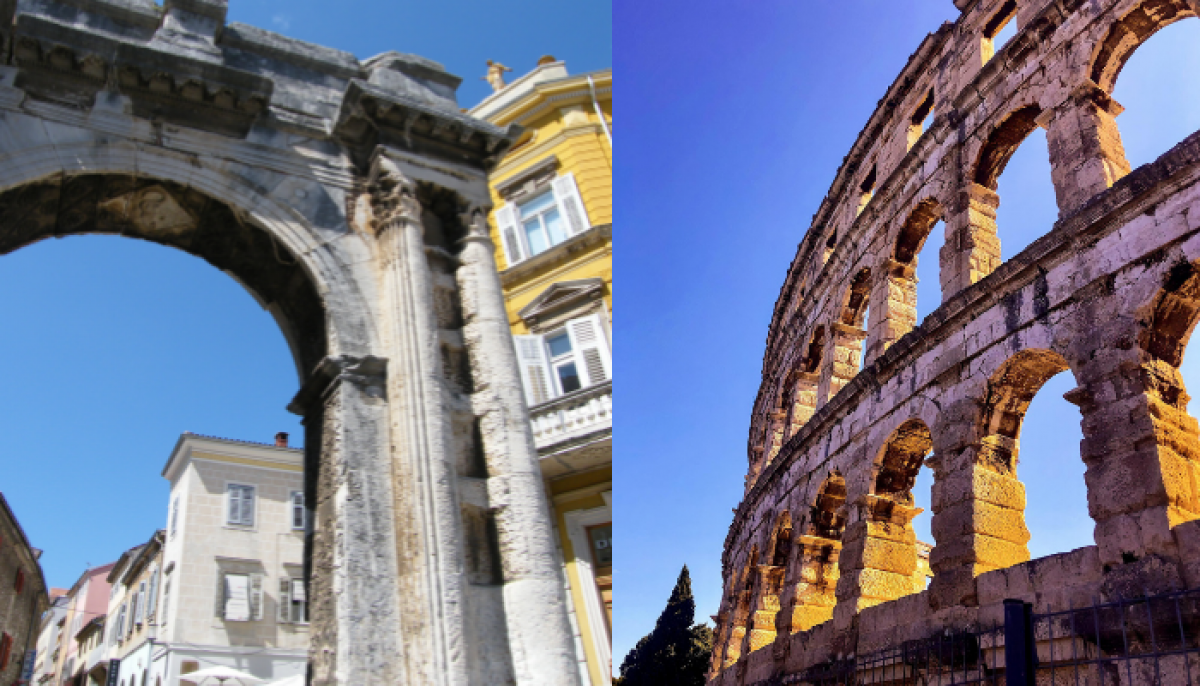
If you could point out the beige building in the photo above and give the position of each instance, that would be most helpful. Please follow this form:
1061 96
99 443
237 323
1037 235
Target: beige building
22 597
232 590
133 611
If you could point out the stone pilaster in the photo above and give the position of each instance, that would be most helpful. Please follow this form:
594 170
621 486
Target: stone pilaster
879 556
972 249
534 604
978 518
846 343
355 618
893 307
1086 154
810 601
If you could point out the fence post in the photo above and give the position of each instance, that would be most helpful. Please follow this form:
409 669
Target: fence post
1018 643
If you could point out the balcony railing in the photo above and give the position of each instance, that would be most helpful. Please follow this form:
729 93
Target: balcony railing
573 415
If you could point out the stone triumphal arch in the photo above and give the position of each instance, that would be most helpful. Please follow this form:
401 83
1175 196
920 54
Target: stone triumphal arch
821 561
349 197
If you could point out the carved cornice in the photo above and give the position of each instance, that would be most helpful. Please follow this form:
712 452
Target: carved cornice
371 116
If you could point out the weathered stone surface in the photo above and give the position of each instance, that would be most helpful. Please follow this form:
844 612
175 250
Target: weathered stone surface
346 197
1110 294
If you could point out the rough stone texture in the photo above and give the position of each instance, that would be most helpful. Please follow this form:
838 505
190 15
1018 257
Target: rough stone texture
335 191
1110 293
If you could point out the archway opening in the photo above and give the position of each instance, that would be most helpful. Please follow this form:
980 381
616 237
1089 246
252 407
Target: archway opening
1026 420
891 512
125 345
1014 163
913 286
1151 80
810 590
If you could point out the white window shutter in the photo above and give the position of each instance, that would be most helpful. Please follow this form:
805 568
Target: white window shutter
285 600
566 193
152 602
235 504
222 593
248 506
590 345
510 234
141 602
256 596
535 368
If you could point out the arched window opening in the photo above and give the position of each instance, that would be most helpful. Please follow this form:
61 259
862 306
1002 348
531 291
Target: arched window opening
1002 538
999 30
928 272
854 310
830 244
903 292
921 119
810 598
1160 99
804 382
1017 149
769 584
890 511
849 332
866 190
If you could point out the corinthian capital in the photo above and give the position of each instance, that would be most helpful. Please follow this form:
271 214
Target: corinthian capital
474 218
393 194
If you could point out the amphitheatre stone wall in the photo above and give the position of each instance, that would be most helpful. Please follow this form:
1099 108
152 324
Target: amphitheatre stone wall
821 561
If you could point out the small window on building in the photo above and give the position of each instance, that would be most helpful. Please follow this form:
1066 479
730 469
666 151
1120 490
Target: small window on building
921 120
534 225
174 516
298 514
866 190
566 360
166 602
293 601
241 505
240 597
19 585
999 29
6 643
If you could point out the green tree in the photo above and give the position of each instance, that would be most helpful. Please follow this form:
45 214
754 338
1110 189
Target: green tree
676 652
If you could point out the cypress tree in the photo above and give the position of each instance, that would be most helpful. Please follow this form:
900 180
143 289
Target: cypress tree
676 652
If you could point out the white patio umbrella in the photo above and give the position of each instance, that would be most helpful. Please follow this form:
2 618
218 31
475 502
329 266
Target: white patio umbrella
297 680
222 675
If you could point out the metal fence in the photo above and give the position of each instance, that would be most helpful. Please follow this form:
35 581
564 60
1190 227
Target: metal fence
1152 640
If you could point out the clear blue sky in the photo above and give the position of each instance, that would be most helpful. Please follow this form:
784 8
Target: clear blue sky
735 119
116 346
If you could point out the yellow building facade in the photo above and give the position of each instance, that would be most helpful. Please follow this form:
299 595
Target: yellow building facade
552 227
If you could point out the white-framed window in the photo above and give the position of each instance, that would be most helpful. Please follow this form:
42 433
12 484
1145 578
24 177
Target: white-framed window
298 514
241 504
536 224
121 623
152 599
239 597
293 600
141 603
166 602
174 516
572 357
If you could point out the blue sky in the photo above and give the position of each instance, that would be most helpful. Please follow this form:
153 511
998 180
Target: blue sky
116 346
736 117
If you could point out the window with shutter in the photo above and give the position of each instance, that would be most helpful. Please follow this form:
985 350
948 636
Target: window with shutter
133 610
174 515
299 601
531 356
166 602
152 601
241 504
510 239
566 193
284 611
591 349
256 596
19 584
236 595
6 642
298 509
141 603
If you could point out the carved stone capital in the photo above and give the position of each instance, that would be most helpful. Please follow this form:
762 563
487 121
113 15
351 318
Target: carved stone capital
368 373
393 194
474 218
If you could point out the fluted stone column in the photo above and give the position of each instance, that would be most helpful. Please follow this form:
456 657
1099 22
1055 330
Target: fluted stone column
534 602
355 618
1086 154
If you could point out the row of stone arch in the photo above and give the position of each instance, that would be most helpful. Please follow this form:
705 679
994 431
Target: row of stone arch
829 345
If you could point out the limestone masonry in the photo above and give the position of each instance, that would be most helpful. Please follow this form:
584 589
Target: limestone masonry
820 563
350 199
